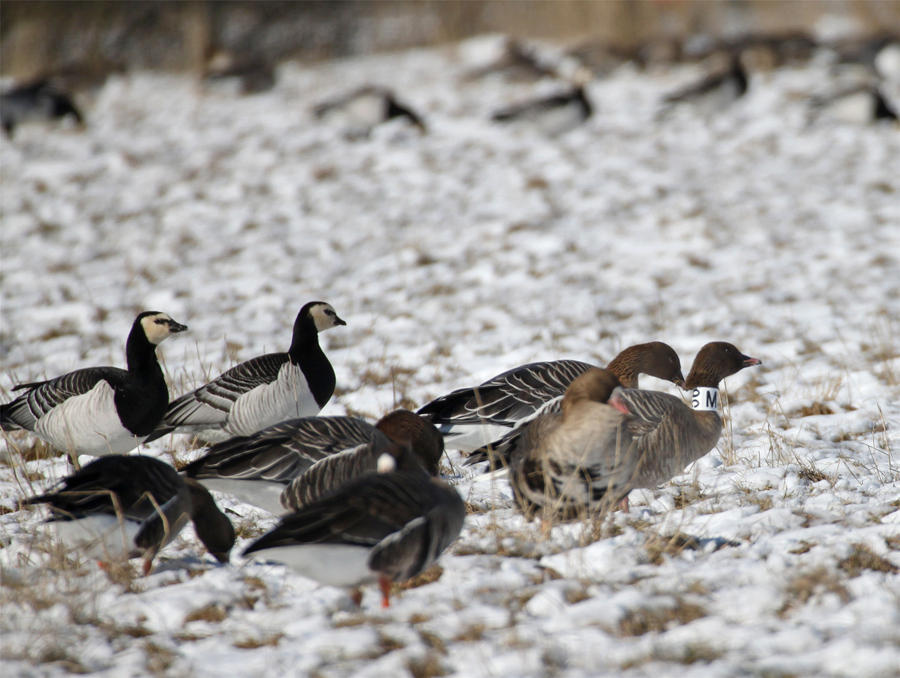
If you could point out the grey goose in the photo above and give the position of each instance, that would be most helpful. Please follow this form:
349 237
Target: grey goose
100 410
261 391
486 416
382 527
120 507
609 440
287 464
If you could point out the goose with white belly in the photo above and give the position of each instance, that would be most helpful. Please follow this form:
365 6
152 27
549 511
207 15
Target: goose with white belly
100 410
261 391
121 507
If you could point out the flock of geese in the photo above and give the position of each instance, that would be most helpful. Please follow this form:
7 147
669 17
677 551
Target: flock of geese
365 502
866 74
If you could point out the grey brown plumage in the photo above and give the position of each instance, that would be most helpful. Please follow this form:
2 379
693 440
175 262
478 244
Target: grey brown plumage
601 446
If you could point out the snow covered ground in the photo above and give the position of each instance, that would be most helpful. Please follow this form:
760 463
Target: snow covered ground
454 256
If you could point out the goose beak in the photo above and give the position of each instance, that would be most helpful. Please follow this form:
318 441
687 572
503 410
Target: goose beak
338 321
678 379
223 557
176 327
750 362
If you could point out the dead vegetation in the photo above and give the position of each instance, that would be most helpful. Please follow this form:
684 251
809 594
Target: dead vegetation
864 558
646 620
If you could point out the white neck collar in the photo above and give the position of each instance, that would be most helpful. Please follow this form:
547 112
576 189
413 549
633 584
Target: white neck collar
705 399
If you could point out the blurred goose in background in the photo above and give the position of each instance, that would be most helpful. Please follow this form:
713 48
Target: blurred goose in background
472 418
287 464
364 108
517 61
609 440
120 507
261 391
861 103
36 101
252 73
382 527
713 93
100 410
552 115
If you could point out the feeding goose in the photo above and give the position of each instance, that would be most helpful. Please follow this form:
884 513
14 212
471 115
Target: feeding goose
36 101
382 527
122 507
609 440
486 415
261 391
287 464
100 410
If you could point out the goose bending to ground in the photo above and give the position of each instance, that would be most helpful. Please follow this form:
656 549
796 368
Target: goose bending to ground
261 391
472 418
608 440
552 115
122 507
861 103
714 93
364 108
381 527
286 465
100 410
35 101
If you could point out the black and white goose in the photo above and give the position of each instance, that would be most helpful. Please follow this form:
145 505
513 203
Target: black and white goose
259 469
472 418
713 93
366 107
261 391
551 115
35 101
382 527
120 507
100 410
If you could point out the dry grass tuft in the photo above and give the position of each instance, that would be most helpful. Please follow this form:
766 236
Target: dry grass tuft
429 666
212 613
812 584
864 558
814 410
641 621
159 659
429 576
254 643
471 633
658 546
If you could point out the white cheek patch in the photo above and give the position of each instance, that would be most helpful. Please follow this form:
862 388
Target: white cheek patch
155 333
321 319
705 399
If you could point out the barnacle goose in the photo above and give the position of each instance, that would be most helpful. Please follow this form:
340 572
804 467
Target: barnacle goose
261 391
382 527
39 100
122 507
470 418
552 115
713 93
263 469
366 107
100 410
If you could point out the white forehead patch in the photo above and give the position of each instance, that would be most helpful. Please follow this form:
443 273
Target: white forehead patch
156 331
386 463
323 316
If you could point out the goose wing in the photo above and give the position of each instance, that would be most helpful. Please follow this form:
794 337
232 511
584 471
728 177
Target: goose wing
281 452
42 396
509 398
362 512
211 404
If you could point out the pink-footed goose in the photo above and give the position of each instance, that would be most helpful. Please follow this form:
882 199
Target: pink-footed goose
609 440
120 507
382 527
486 420
258 469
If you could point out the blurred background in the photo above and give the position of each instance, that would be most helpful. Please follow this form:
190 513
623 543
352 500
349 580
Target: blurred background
37 38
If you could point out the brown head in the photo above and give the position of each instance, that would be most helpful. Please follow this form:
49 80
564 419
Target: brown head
596 384
654 358
714 362
408 428
212 526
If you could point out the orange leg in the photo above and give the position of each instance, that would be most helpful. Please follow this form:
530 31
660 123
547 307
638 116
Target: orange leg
385 585
623 505
103 565
148 564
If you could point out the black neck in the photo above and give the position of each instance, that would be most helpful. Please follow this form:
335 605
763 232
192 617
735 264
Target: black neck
140 354
308 355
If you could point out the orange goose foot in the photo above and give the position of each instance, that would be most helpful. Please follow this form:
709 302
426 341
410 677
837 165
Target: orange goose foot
623 505
385 585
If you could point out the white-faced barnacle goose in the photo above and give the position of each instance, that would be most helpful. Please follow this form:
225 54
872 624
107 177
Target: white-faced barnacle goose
713 93
607 440
122 507
36 101
366 107
472 418
100 410
861 103
261 391
551 115
382 527
264 469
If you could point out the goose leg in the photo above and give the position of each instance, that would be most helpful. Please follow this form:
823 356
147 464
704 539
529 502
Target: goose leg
385 585
623 505
356 596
